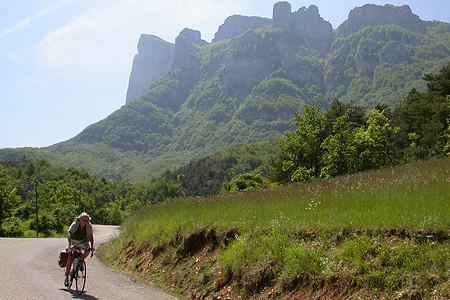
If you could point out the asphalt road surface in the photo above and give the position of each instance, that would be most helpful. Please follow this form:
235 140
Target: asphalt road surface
29 270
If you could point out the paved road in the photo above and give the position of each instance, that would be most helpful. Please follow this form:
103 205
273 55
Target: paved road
29 270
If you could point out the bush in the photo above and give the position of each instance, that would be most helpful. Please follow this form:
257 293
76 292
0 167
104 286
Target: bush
12 227
245 182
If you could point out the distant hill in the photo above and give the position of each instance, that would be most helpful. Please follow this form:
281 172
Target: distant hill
189 99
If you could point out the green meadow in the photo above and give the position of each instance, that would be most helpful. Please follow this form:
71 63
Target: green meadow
383 232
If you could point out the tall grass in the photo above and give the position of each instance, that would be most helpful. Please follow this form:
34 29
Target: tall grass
316 232
410 196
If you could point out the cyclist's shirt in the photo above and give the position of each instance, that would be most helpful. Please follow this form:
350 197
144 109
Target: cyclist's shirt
80 235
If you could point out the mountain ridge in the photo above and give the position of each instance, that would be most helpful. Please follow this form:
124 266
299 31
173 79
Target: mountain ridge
247 87
320 33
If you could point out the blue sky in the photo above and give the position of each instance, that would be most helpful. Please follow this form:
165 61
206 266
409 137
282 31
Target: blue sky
64 64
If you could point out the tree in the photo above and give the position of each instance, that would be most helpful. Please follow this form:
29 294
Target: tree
113 212
447 133
60 201
161 190
355 113
8 197
439 83
423 116
340 154
376 143
301 147
244 182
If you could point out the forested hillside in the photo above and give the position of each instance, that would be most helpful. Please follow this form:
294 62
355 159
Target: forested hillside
340 140
247 85
38 199
206 176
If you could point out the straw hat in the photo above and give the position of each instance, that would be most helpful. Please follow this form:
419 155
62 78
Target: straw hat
84 214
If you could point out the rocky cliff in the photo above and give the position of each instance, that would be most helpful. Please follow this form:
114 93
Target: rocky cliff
185 49
236 25
157 57
305 23
371 14
153 60
304 28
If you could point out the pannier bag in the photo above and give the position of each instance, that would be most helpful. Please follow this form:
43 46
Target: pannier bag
63 256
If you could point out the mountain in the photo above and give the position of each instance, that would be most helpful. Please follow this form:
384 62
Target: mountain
154 59
371 14
191 98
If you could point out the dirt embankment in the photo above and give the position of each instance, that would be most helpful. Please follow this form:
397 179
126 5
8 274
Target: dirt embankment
189 264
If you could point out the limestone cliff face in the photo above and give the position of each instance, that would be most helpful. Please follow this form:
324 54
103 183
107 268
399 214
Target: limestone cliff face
286 43
157 57
154 59
185 49
282 14
371 14
305 23
236 25
177 84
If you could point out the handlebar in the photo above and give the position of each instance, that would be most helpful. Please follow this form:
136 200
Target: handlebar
81 248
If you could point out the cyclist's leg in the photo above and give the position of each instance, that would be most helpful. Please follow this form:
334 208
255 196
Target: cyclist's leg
86 253
69 263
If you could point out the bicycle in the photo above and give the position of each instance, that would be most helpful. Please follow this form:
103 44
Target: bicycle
78 270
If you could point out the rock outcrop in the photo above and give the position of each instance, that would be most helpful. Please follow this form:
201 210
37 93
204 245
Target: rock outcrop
157 57
236 25
305 33
371 14
154 59
177 84
281 16
305 23
185 55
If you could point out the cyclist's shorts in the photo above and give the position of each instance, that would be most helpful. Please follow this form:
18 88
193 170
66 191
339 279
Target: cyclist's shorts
81 244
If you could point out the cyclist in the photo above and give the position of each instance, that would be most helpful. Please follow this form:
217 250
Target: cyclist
79 234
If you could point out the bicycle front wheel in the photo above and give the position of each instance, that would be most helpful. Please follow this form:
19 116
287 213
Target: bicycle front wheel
80 277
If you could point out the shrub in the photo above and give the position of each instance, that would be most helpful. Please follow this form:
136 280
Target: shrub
245 182
12 227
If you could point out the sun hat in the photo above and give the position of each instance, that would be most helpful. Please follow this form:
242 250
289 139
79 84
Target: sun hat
84 214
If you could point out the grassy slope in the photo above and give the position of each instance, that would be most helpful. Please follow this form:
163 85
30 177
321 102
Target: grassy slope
375 234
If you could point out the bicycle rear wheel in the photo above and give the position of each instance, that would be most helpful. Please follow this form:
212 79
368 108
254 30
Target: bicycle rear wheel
72 273
70 280
80 277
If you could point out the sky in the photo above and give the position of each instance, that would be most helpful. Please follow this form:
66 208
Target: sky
65 64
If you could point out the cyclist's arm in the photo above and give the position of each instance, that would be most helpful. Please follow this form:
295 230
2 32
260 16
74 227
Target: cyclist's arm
92 241
71 231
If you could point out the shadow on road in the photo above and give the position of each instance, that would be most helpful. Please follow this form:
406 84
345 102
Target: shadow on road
84 296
